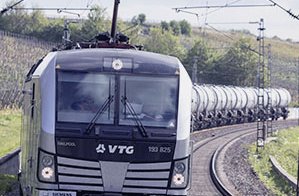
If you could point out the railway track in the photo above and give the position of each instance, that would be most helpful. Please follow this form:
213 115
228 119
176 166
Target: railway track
206 161
207 178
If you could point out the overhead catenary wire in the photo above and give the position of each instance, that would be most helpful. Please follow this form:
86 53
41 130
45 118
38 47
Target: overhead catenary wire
226 6
183 8
49 9
247 47
88 4
180 10
207 24
206 14
284 9
68 12
10 7
224 23
59 10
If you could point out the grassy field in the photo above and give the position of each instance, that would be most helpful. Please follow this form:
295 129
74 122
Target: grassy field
10 126
285 150
7 183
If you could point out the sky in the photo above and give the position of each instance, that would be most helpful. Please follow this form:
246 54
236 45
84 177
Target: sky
277 22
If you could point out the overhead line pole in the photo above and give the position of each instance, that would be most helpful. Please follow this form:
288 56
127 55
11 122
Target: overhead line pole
260 113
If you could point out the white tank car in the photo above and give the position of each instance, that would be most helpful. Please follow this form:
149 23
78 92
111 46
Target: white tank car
106 121
232 104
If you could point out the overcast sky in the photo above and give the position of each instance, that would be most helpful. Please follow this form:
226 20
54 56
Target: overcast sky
277 22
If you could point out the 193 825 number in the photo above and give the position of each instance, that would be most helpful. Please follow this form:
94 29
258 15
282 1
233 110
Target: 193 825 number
156 149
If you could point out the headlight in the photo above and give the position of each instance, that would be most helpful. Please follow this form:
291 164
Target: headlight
179 167
47 161
46 171
180 173
178 179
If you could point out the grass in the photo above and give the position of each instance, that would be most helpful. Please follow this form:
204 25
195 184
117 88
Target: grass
10 126
6 183
285 150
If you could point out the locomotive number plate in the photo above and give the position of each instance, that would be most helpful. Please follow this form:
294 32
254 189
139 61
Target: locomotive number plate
57 193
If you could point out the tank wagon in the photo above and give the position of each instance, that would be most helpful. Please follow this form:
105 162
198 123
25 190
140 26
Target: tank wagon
214 105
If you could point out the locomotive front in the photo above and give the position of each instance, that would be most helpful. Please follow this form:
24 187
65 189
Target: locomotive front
112 121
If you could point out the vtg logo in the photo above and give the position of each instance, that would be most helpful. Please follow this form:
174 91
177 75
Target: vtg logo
115 148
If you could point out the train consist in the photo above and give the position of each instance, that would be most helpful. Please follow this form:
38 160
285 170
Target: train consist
214 105
103 118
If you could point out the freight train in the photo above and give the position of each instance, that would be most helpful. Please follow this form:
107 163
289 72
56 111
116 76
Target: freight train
103 118
216 105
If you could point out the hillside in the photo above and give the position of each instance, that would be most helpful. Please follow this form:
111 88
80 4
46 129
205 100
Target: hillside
284 54
17 54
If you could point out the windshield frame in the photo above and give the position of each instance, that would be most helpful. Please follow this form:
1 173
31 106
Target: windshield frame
117 105
153 78
110 110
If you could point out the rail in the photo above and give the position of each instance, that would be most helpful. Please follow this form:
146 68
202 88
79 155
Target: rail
213 168
220 186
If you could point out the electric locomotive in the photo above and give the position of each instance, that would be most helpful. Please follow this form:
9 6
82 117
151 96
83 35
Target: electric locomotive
103 118
106 121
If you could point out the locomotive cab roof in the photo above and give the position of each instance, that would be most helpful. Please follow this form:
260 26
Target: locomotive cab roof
100 59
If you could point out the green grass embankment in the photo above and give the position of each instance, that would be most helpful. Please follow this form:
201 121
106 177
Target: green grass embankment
285 150
10 128
7 183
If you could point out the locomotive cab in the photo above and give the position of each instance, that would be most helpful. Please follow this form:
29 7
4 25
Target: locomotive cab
107 121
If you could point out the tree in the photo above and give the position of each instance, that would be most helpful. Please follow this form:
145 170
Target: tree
164 43
185 27
138 20
53 32
237 66
96 23
37 22
164 26
15 21
141 18
199 55
175 27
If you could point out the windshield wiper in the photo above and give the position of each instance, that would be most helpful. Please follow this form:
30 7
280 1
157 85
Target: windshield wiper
100 111
138 122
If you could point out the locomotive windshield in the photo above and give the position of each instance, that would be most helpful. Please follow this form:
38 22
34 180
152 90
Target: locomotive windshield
150 100
153 100
80 95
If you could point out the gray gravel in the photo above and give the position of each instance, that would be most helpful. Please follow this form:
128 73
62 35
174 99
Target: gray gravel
239 171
